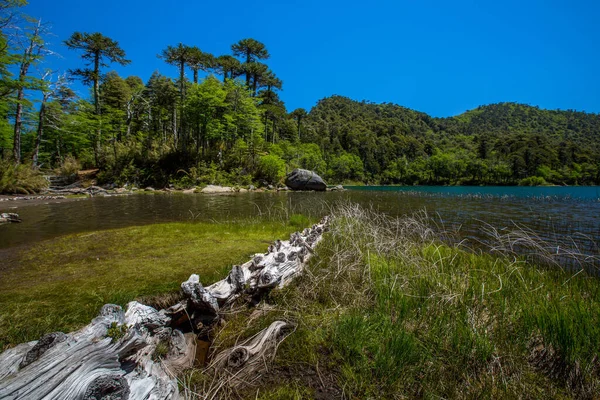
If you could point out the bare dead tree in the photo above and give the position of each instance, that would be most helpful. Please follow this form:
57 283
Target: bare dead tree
50 90
33 47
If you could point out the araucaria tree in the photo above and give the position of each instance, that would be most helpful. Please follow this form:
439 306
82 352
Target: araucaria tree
251 50
178 56
229 67
200 61
98 51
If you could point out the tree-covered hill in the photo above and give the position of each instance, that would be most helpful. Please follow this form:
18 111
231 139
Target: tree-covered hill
505 143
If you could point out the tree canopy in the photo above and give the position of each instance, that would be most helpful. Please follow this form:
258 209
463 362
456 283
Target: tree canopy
203 128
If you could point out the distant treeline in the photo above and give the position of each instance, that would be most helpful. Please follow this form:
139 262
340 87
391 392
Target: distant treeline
504 144
227 124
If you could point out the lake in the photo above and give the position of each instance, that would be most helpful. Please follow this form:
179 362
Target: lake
568 213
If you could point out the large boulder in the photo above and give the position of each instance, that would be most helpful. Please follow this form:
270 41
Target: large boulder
303 179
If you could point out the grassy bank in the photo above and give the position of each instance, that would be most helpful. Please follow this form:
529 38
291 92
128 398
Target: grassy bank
60 284
385 311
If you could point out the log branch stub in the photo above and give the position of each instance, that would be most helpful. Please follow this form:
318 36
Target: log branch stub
107 387
247 359
199 298
280 257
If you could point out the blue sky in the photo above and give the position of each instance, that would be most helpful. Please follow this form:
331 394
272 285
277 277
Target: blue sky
440 57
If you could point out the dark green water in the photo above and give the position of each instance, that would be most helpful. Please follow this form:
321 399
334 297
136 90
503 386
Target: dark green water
552 212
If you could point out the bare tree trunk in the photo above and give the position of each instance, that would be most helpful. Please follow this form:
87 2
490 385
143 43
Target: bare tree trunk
182 133
175 136
97 149
149 128
58 156
40 130
129 117
204 140
30 54
114 140
198 138
17 132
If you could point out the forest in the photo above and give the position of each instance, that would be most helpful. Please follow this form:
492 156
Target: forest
220 120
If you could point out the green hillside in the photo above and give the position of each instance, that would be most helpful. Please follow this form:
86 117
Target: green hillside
503 143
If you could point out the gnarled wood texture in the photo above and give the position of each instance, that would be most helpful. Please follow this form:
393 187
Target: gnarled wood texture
137 354
242 363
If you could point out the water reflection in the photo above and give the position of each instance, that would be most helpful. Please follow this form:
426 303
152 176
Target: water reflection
548 216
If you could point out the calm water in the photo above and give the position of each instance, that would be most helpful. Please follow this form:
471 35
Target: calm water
549 211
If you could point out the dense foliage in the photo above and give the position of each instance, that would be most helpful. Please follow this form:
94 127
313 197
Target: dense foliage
504 143
227 125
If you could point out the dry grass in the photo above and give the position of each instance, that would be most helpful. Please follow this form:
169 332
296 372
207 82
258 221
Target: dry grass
560 251
386 310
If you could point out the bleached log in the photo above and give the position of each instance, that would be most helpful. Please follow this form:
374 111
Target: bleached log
117 355
9 217
242 363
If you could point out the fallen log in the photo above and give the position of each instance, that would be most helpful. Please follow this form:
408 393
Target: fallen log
35 197
137 353
9 217
90 190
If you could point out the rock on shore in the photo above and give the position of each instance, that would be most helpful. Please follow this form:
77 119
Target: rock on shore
303 179
216 189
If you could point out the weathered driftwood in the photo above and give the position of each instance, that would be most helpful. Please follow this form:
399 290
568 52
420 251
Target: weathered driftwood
34 197
242 363
137 354
9 217
91 190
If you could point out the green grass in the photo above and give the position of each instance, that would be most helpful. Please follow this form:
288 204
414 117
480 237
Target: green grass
60 284
388 312
384 311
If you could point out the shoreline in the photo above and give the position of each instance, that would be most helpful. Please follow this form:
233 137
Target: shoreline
10 201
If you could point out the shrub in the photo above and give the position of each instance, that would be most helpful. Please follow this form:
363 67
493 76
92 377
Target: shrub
68 167
271 168
20 179
533 181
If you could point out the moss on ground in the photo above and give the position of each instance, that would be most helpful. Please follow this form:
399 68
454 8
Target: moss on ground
60 284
